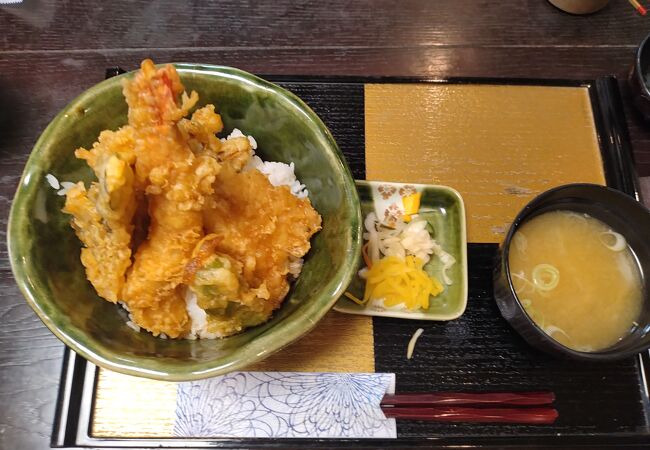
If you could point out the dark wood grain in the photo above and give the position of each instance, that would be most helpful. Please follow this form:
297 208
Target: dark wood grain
52 81
51 50
30 366
300 23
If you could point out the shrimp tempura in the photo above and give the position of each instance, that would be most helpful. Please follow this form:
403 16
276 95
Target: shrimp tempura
177 184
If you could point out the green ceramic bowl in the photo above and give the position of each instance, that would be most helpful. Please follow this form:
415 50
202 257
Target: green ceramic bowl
44 250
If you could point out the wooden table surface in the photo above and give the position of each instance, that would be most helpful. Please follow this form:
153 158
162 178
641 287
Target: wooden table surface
51 50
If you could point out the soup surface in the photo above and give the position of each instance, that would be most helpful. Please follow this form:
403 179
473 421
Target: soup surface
576 278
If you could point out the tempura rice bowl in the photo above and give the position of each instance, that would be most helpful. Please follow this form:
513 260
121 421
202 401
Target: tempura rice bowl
45 253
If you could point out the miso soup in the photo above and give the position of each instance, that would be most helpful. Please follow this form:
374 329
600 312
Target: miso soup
576 278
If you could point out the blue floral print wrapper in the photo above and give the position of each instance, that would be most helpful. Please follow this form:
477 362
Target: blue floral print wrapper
285 405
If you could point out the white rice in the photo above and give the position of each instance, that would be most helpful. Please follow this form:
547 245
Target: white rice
134 326
53 181
198 318
130 323
236 133
66 186
279 174
61 187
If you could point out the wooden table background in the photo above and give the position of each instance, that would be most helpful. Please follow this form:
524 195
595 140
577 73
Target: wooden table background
51 50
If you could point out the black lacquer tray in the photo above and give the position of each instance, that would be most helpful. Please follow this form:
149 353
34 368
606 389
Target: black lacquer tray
601 405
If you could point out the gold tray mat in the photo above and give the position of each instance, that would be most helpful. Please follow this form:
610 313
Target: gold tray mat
498 146
127 406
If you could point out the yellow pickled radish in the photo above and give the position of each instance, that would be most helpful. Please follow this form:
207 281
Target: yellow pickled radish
398 281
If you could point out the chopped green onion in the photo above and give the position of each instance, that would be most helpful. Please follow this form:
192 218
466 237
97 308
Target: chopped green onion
546 277
553 329
619 241
520 276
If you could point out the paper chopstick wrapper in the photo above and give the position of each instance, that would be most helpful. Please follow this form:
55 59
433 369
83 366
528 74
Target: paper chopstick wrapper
285 405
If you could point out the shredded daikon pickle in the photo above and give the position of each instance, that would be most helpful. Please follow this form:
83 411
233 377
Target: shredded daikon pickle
403 240
372 236
414 339
447 262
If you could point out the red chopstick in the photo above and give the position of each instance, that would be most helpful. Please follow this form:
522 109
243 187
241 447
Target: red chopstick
464 398
487 407
536 416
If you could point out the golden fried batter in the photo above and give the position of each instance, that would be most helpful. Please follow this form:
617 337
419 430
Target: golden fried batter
200 131
102 215
170 178
176 183
260 226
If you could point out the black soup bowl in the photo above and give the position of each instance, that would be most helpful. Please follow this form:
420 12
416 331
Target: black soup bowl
638 79
624 215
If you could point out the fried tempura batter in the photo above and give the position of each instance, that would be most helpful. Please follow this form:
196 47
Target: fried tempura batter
177 183
102 215
260 226
176 175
